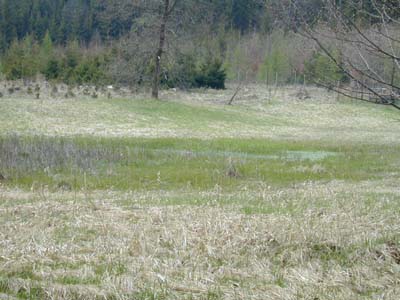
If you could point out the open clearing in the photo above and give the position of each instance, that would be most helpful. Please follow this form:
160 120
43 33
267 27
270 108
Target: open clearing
187 198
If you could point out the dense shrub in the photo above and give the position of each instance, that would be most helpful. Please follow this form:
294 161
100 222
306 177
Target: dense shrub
20 60
76 65
52 70
211 75
27 58
181 73
89 71
72 71
184 74
321 67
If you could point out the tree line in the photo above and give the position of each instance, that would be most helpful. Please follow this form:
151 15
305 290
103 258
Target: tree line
87 20
94 20
206 41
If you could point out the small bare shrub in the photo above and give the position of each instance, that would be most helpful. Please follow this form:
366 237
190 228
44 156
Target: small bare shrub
86 91
303 94
64 186
54 91
232 170
69 93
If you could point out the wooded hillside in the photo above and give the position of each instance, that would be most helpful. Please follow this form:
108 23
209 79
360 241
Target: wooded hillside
105 41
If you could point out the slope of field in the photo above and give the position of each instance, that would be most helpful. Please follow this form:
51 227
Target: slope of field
202 114
188 198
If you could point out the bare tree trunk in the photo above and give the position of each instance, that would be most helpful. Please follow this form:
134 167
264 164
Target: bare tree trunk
160 50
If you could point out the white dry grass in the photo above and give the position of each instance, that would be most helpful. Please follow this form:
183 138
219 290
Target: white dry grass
203 114
318 241
314 241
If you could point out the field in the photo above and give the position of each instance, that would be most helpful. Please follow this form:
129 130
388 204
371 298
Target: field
189 198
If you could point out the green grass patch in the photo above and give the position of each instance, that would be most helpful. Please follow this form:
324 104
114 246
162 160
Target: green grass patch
4 289
31 293
76 280
85 163
195 116
115 268
23 272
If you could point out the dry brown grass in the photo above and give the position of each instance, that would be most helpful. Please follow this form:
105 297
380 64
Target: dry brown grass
320 241
255 113
311 240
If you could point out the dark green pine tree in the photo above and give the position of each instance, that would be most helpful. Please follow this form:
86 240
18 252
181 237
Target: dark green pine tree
9 29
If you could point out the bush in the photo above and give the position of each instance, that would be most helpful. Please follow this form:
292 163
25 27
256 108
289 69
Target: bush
89 71
27 58
20 59
276 68
322 68
184 74
211 75
14 73
52 70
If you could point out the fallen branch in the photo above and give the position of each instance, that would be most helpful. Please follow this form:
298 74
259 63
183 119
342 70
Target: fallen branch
238 89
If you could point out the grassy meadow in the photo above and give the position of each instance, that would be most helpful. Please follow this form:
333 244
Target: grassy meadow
189 198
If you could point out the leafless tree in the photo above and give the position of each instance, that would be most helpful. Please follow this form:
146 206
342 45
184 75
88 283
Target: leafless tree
160 30
363 42
166 12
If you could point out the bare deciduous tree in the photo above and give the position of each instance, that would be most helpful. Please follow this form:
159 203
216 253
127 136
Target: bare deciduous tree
363 42
167 10
163 24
